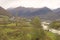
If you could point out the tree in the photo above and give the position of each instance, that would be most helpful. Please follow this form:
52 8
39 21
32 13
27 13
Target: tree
36 22
55 25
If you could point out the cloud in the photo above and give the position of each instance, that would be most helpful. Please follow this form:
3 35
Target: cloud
5 3
30 3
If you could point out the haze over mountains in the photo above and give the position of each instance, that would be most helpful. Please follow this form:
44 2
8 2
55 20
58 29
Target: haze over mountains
44 13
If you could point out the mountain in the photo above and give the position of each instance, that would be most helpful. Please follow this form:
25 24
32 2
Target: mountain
22 11
54 15
4 12
44 13
41 11
57 11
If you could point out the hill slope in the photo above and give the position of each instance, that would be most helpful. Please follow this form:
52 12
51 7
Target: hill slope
4 12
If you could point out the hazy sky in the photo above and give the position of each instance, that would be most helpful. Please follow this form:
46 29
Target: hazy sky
30 3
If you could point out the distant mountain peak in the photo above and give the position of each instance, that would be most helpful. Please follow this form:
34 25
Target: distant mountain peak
45 7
